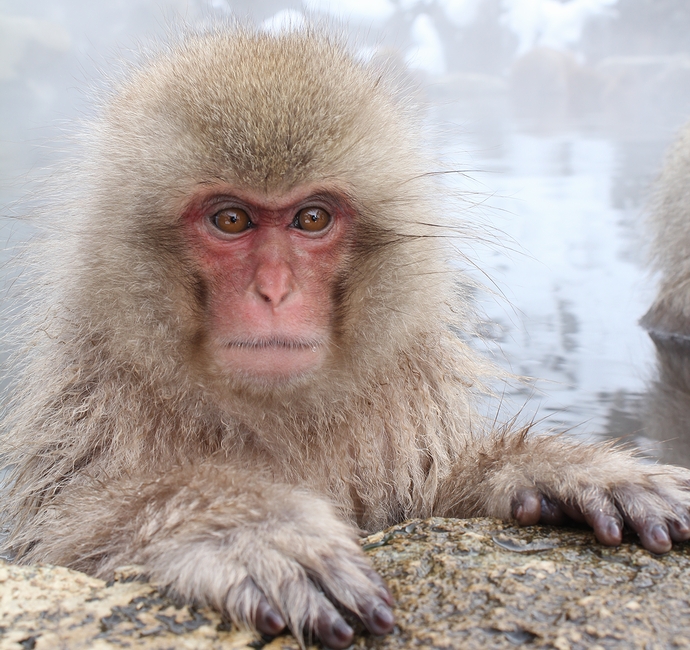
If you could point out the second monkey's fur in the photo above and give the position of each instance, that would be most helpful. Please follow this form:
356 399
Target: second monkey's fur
128 445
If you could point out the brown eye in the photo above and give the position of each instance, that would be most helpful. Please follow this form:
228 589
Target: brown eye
232 221
312 219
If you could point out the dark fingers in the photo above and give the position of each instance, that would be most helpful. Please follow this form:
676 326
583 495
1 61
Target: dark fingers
332 629
573 513
267 620
526 506
383 590
551 513
378 618
656 534
679 528
603 518
653 532
606 523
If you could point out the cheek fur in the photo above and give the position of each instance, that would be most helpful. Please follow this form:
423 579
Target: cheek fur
200 293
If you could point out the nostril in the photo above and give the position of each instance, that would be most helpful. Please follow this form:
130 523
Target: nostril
274 292
273 282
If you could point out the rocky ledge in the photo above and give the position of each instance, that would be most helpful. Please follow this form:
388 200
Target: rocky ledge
457 584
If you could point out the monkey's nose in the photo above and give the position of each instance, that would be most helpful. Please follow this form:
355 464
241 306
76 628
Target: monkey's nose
274 283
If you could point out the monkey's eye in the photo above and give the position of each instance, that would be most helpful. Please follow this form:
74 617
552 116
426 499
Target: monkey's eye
232 221
312 219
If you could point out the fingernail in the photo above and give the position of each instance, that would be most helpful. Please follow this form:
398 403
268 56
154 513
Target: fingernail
660 534
614 529
342 630
383 617
275 620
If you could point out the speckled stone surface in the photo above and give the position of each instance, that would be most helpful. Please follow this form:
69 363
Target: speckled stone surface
458 584
484 584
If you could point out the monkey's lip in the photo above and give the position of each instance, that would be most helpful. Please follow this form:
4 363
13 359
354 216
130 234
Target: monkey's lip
272 357
275 343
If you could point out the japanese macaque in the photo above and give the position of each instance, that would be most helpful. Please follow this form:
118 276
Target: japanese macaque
241 353
667 416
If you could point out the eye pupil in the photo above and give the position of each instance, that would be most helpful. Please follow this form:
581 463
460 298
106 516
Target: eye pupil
312 219
232 221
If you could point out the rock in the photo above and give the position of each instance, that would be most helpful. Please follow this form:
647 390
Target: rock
457 584
484 584
46 607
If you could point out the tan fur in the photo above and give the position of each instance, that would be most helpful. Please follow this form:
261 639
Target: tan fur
670 214
126 448
667 409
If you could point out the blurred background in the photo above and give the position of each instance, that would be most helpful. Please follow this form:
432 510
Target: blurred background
559 111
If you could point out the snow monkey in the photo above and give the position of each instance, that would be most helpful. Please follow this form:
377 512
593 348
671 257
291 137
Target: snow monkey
667 416
239 356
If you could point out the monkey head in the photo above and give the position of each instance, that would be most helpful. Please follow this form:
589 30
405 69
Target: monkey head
274 192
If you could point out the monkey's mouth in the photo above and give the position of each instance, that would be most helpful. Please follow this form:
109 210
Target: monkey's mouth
273 358
271 343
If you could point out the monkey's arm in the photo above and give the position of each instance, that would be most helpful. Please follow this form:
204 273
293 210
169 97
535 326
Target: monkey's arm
550 479
269 554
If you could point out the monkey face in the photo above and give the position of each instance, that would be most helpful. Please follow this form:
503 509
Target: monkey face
267 263
225 285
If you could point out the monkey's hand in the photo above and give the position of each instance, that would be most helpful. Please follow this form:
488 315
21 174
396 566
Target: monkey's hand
552 480
270 555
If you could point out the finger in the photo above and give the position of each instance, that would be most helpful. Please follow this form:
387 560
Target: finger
331 628
382 588
267 620
378 617
606 522
247 606
572 512
551 513
526 506
653 532
601 515
679 528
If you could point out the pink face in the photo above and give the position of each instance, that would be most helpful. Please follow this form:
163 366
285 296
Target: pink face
268 264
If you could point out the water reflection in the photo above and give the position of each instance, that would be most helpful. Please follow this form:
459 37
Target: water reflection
569 204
